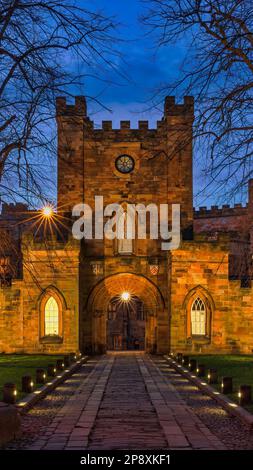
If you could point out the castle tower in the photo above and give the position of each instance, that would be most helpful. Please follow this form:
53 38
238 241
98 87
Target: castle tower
138 166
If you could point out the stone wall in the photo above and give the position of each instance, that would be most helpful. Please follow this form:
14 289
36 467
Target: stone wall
236 219
163 159
47 269
201 268
162 174
85 278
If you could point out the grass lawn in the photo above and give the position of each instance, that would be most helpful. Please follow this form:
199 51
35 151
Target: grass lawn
14 366
240 367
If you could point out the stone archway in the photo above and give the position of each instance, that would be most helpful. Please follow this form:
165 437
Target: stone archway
156 316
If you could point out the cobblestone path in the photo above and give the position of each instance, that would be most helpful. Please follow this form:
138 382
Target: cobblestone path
229 429
120 401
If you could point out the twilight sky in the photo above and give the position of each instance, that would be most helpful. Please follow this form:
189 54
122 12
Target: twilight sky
145 66
145 69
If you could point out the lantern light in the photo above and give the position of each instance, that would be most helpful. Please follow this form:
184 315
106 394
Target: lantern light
47 211
212 376
201 370
185 360
40 376
27 384
9 393
51 370
179 357
192 365
125 296
60 364
72 357
244 394
66 360
227 385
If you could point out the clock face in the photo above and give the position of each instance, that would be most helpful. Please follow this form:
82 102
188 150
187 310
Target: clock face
124 164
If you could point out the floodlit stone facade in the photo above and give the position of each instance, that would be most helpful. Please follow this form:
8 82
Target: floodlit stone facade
56 292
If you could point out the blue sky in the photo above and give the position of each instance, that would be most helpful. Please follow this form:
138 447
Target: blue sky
145 66
127 88
147 69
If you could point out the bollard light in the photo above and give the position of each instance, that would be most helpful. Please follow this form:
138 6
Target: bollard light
66 361
27 384
192 365
226 385
10 393
201 370
40 376
244 394
212 376
51 370
73 357
185 361
59 364
179 357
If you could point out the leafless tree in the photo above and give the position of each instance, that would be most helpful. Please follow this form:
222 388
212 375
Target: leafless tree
40 44
218 70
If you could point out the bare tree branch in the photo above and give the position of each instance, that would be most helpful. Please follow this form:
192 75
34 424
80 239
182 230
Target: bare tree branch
218 70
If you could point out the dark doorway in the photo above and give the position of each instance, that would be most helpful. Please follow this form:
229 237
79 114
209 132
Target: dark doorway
126 324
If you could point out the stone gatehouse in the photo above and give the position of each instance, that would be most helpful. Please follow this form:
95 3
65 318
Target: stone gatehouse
59 294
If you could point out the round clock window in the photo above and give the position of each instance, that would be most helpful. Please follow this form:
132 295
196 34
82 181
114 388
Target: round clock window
124 164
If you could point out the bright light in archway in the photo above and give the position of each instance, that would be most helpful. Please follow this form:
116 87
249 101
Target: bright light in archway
47 211
125 296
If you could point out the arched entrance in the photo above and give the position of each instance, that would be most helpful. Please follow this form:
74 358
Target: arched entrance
125 325
138 287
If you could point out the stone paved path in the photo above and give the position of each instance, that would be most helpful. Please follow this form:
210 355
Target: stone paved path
125 402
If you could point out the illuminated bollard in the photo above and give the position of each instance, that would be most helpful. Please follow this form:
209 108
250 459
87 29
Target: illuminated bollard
227 385
73 357
244 394
192 365
27 384
10 393
185 361
212 376
66 361
179 357
59 364
201 370
51 370
40 376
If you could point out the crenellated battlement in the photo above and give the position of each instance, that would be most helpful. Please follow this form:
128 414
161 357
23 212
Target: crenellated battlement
13 208
79 109
126 126
171 108
88 152
225 210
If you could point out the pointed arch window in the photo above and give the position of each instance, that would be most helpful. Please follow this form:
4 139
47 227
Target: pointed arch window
198 318
52 307
51 317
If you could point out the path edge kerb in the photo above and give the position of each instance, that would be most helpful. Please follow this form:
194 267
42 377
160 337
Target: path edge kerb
230 406
31 399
